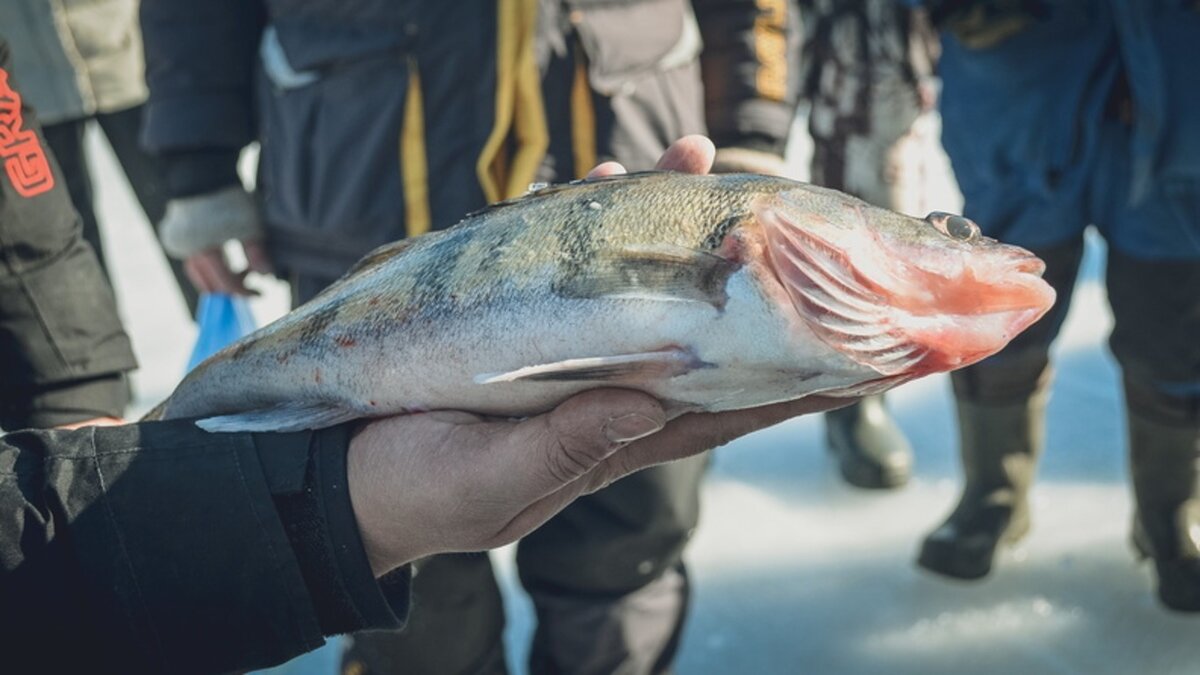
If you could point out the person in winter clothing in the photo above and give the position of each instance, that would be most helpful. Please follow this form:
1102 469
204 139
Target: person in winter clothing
81 61
487 97
63 352
1109 136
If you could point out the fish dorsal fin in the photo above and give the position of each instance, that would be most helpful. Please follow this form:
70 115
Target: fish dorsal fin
289 416
620 368
540 191
841 309
655 272
378 256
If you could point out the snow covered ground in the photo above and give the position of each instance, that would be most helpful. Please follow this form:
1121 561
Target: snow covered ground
796 572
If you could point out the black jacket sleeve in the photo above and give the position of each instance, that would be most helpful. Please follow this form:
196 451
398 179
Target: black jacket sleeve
751 72
201 59
62 348
158 547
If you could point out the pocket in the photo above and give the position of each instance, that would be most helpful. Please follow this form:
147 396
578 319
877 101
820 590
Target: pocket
1180 233
63 322
330 157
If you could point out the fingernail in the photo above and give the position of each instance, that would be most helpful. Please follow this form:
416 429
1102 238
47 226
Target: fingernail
628 428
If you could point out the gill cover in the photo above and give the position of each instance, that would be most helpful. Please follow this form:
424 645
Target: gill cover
845 308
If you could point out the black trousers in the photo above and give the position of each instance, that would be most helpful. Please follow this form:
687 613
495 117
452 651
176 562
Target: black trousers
144 172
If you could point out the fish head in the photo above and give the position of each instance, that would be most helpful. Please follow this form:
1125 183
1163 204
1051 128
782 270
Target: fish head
902 295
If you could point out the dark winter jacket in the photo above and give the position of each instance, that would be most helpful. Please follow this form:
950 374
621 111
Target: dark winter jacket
384 119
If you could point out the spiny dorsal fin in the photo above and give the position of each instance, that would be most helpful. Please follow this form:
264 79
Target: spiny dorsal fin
562 187
378 256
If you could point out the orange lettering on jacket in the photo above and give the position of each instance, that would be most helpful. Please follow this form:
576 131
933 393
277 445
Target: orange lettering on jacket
21 152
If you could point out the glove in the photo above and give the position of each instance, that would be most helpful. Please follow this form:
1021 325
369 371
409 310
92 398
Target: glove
208 220
745 160
195 228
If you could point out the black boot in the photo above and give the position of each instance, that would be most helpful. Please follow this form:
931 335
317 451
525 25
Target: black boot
871 450
1000 447
1164 461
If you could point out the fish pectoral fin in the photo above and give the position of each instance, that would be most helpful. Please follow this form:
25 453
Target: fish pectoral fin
656 365
290 416
657 273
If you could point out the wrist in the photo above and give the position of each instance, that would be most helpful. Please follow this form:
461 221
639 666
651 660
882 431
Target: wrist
195 172
385 546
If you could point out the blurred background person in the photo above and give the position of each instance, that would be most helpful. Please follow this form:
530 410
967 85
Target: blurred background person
1057 115
81 61
63 353
869 77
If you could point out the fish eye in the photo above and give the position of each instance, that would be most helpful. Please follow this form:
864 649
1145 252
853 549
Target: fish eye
954 226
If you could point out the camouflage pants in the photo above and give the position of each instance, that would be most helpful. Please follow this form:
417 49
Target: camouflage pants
870 136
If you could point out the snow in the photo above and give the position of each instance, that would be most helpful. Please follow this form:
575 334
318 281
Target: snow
793 570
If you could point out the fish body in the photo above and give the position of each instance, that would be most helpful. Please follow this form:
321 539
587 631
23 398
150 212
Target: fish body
708 292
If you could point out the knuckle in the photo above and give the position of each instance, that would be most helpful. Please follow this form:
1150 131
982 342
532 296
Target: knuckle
566 460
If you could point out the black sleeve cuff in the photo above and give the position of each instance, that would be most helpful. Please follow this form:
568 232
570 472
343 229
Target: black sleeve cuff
314 506
193 172
54 405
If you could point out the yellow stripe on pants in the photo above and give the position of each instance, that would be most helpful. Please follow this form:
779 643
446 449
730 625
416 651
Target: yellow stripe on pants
520 117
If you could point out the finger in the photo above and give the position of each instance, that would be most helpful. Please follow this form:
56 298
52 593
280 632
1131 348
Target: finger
224 279
257 258
198 276
557 448
606 169
690 154
208 265
697 432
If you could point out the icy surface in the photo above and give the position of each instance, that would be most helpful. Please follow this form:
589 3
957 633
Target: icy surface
796 572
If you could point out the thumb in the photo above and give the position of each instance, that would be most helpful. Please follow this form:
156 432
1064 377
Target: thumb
557 448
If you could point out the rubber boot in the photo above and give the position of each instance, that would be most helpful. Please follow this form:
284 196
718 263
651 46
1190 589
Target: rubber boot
1164 461
1000 447
871 450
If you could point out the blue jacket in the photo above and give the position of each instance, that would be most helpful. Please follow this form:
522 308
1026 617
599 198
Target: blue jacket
1036 100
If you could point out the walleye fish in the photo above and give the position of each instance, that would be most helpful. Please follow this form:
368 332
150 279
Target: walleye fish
707 292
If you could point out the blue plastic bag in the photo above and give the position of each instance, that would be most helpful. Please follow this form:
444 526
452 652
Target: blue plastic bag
221 319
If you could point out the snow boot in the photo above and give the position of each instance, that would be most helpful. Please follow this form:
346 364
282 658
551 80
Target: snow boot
871 450
1000 446
1164 462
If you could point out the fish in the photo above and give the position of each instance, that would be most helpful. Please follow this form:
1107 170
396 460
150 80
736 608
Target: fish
709 292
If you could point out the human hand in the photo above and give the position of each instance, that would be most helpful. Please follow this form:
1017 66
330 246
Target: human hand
451 481
210 272
196 228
